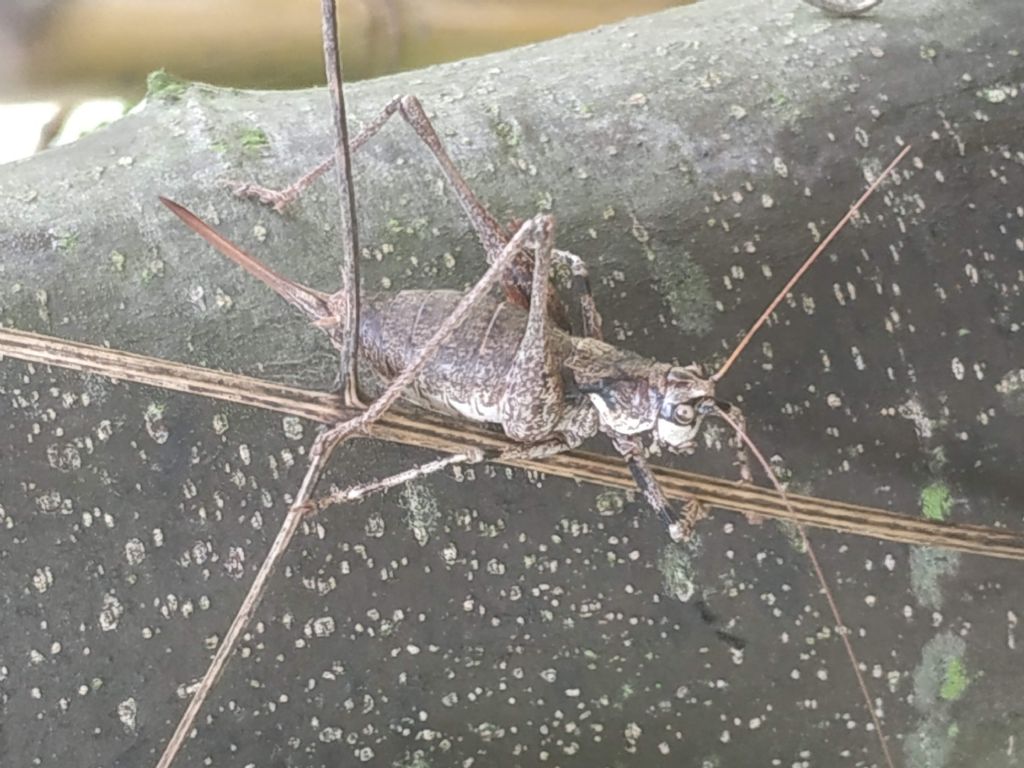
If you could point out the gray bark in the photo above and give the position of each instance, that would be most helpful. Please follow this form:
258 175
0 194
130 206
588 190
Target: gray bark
693 158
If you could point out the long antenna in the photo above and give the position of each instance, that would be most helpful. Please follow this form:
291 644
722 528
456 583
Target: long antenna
805 266
742 435
833 606
350 230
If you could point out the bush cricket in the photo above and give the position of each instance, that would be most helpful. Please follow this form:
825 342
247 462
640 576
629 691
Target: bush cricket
514 363
652 526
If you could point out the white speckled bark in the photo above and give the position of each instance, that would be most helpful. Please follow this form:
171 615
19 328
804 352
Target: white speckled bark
693 158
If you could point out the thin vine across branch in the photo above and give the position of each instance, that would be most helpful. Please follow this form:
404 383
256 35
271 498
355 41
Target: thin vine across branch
432 432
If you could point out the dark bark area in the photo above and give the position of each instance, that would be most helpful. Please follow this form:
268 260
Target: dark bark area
693 158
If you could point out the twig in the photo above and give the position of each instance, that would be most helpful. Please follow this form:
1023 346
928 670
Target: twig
430 431
350 231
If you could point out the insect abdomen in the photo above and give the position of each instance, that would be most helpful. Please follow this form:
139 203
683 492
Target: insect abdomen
467 375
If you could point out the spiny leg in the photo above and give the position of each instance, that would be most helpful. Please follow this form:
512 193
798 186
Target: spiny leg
323 446
534 408
492 235
517 278
300 509
318 455
361 491
518 282
279 199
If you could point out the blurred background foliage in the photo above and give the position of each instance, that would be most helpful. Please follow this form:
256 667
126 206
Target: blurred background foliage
57 57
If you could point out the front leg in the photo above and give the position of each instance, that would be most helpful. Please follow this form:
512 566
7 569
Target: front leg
681 529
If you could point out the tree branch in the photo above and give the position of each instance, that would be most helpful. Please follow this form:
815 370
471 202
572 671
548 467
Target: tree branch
693 158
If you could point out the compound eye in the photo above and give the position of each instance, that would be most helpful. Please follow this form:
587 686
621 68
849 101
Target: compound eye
683 414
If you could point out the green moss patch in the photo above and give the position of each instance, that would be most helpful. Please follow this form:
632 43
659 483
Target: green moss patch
936 501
